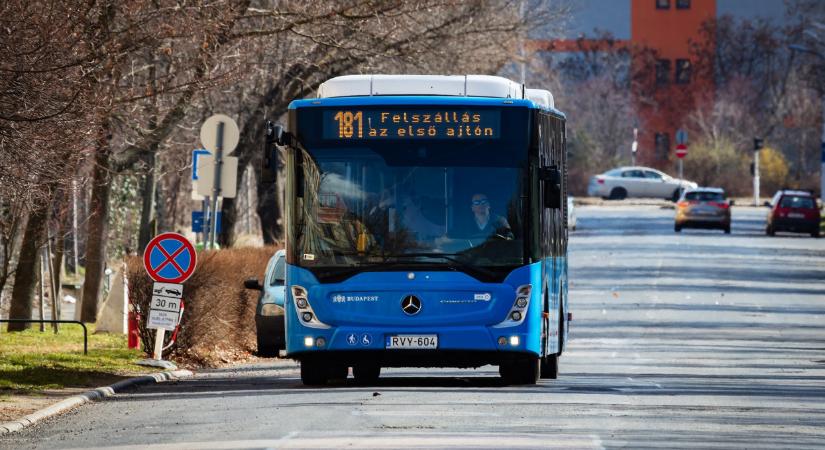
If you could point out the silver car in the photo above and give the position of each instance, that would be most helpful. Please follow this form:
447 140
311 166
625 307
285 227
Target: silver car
625 182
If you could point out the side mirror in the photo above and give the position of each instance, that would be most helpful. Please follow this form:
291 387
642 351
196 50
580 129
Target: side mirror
275 136
551 177
768 204
253 283
731 202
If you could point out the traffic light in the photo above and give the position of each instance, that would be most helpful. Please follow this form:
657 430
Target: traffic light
753 169
758 144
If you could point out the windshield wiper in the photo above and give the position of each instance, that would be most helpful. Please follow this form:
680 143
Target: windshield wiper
449 257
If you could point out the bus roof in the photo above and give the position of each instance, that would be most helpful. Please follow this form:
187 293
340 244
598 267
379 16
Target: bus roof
461 86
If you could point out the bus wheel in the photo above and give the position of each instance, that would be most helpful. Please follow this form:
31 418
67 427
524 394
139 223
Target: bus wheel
366 374
550 363
313 372
337 373
522 371
550 367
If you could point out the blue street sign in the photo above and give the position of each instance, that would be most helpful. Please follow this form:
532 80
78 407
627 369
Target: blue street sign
198 222
195 155
169 258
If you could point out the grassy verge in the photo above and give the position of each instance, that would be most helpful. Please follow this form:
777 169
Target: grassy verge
32 361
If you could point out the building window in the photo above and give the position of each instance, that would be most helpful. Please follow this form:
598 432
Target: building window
662 4
662 71
682 4
682 71
662 143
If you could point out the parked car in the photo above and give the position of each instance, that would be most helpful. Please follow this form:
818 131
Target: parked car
794 211
703 208
269 314
625 182
571 214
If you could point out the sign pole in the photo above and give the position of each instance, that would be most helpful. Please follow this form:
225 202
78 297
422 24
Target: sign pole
159 335
216 186
205 225
681 164
822 156
756 178
169 259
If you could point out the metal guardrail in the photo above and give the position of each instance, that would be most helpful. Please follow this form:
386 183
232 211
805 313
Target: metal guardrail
85 331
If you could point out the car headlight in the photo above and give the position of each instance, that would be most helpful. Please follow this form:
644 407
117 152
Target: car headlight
270 309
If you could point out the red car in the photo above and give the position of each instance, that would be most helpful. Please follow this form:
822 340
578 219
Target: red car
794 211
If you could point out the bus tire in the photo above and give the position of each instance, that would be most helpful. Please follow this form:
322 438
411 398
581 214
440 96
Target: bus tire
521 371
366 374
337 373
313 372
550 367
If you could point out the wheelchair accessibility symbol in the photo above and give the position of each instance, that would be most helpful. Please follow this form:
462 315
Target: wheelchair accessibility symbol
366 339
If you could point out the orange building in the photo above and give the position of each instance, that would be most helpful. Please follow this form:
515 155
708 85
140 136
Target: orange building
669 28
660 35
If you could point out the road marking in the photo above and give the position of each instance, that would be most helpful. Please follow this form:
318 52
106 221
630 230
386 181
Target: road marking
393 440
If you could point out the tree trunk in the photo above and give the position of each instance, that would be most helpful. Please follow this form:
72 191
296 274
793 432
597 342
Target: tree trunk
57 267
25 278
97 225
148 207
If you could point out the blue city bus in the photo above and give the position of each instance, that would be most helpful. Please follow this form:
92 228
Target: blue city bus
425 227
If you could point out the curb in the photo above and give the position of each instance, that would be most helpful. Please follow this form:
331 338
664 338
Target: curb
89 396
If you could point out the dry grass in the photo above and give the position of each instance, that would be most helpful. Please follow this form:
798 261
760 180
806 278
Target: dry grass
218 322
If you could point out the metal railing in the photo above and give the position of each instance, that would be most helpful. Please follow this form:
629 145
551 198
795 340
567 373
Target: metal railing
85 331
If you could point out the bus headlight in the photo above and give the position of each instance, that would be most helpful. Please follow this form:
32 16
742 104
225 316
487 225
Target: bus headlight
303 308
518 311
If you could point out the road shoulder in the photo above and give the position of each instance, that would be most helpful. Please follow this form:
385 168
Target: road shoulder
88 396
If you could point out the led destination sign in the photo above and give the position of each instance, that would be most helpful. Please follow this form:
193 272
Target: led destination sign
409 124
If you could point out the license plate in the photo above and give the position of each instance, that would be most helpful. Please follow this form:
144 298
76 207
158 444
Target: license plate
796 215
415 341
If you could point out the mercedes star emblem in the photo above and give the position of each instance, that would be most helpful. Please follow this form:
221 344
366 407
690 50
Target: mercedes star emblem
411 305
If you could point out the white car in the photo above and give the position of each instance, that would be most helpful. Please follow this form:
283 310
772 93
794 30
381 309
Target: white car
571 215
625 182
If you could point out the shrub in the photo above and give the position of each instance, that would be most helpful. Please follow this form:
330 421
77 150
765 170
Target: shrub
219 313
718 164
773 171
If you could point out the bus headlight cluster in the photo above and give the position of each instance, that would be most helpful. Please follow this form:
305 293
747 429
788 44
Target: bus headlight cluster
517 313
303 308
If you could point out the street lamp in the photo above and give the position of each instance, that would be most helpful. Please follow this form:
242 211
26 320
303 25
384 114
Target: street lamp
803 49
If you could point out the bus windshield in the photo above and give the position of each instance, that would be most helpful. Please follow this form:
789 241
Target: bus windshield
428 205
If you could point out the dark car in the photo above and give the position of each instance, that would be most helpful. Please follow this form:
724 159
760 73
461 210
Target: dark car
794 211
703 208
269 315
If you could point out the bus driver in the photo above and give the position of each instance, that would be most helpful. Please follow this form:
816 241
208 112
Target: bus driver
487 224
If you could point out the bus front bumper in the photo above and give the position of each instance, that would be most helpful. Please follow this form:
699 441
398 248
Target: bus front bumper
456 346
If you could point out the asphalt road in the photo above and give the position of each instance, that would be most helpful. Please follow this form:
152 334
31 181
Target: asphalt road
691 340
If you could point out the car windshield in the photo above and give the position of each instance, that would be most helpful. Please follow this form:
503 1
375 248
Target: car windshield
705 196
794 201
278 273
